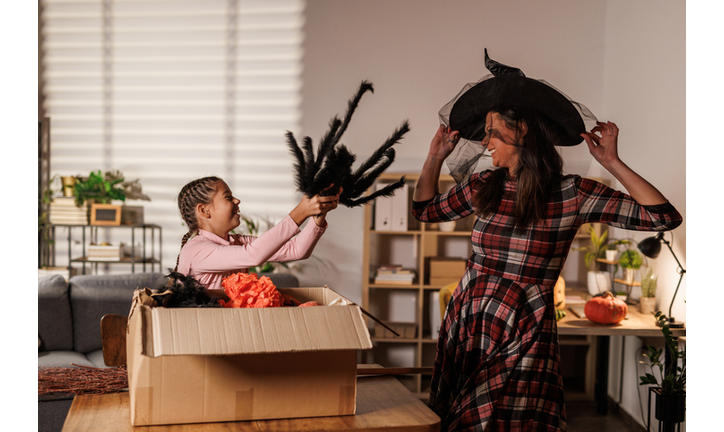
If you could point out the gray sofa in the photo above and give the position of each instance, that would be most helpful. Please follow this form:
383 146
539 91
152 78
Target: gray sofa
69 315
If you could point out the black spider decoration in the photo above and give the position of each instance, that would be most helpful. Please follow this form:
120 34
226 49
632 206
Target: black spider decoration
333 163
184 291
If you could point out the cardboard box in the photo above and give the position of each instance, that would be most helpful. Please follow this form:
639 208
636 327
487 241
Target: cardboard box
443 270
192 365
404 329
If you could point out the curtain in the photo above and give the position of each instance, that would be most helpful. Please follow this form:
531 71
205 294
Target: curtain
167 91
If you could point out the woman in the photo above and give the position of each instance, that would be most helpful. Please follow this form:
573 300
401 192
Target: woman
497 365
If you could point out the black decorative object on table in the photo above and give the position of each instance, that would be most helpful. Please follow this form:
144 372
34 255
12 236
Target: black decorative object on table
333 162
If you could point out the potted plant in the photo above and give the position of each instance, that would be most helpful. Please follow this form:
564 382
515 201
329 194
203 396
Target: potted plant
671 388
647 302
101 189
630 261
598 281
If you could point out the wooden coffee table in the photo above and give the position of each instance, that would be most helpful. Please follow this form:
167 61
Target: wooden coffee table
383 404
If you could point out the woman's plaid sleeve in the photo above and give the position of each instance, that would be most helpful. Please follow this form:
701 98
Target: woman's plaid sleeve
600 203
453 204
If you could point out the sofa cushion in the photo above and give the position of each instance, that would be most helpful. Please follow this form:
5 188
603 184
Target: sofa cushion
96 357
55 323
62 359
282 280
93 296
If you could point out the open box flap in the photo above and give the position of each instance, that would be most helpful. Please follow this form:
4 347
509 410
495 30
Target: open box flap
222 331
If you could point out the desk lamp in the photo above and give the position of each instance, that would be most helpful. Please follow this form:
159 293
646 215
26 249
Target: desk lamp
651 247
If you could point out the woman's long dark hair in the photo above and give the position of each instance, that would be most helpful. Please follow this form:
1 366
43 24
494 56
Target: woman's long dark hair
540 166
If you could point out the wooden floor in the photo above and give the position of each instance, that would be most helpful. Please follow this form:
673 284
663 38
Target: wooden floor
582 417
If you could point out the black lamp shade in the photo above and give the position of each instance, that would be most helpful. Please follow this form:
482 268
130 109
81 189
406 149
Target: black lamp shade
651 247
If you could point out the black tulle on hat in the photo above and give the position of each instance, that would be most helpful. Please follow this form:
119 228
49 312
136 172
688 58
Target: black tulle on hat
507 86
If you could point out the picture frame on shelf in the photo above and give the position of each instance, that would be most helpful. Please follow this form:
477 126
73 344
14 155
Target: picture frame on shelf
105 214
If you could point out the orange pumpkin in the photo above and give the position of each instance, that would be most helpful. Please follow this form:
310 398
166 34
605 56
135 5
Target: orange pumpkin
606 309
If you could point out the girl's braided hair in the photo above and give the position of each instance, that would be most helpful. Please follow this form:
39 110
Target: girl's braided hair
199 191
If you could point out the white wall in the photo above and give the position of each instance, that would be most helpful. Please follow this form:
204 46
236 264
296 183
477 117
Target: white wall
645 94
419 54
623 60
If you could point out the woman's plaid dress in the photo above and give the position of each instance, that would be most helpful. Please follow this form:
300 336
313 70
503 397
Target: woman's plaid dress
497 365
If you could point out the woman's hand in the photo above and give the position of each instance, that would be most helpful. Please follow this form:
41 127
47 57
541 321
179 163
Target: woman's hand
603 148
443 143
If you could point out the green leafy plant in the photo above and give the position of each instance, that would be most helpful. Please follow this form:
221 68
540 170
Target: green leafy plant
672 381
630 258
598 247
103 188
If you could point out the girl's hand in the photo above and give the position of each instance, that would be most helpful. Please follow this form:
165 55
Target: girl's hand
327 207
314 206
443 143
603 148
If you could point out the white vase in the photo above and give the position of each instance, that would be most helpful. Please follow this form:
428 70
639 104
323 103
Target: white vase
629 275
446 226
598 282
647 305
611 255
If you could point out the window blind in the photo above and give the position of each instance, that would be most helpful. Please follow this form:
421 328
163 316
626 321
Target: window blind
167 91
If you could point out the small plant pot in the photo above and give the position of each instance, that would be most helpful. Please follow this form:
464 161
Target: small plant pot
611 255
670 408
629 275
647 305
446 226
598 282
68 185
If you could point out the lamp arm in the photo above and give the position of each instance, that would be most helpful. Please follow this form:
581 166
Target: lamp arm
681 272
681 268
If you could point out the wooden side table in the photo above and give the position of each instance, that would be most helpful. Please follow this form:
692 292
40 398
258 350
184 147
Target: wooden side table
383 404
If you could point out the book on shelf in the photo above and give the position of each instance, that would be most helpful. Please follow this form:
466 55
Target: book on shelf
106 252
395 275
63 211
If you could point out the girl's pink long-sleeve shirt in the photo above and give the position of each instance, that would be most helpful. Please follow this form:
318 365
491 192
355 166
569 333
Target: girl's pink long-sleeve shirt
209 258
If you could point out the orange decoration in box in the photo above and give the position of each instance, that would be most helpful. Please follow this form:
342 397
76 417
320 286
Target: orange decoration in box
247 290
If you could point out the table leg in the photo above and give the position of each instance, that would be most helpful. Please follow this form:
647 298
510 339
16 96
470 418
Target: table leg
601 387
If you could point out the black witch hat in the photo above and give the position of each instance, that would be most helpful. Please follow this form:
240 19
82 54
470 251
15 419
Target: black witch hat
507 86
333 163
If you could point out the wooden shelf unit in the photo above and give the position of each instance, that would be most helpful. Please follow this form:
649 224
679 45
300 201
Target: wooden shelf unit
425 242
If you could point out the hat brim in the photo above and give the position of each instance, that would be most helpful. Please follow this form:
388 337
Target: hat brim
469 112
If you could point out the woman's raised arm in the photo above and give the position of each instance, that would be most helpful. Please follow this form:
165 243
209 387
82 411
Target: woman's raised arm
604 149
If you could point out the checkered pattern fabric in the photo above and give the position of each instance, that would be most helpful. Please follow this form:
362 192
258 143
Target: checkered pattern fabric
497 364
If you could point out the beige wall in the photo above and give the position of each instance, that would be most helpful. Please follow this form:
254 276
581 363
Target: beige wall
419 54
624 60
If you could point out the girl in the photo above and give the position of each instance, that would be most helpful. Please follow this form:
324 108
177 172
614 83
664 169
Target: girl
209 253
